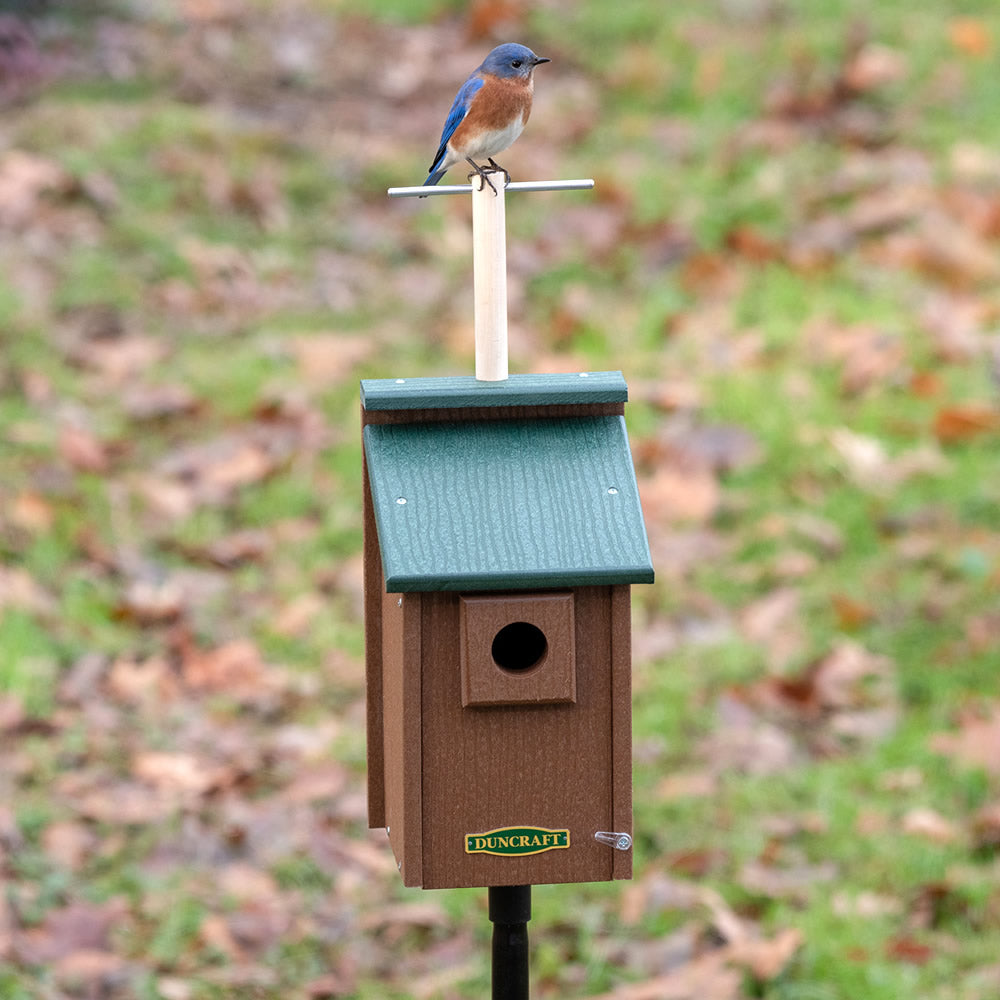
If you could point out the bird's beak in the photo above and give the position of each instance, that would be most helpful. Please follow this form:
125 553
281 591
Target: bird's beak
541 59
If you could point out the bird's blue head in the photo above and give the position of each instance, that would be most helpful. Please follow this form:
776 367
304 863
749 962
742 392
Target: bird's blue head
511 61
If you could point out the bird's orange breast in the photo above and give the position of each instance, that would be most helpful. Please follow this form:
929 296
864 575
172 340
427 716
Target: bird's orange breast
497 104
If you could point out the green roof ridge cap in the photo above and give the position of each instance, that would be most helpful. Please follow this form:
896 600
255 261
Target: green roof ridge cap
460 391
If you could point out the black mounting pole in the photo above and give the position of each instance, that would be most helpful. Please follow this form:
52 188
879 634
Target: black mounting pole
510 911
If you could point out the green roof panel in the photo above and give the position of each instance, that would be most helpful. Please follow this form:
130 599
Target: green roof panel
517 390
506 504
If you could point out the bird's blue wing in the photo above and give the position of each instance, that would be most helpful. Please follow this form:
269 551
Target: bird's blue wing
459 107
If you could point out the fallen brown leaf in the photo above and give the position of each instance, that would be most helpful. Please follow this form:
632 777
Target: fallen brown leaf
954 424
215 933
330 986
749 242
260 924
674 494
76 927
656 891
986 828
976 743
243 882
324 780
873 66
926 385
31 512
147 403
90 969
69 843
793 881
851 614
399 917
175 773
707 978
908 949
6 926
83 450
296 617
19 589
744 742
151 680
151 601
869 356
767 958
686 785
934 903
236 668
930 825
123 803
971 36
866 905
869 465
696 862
487 19
771 613
12 713
24 179
327 358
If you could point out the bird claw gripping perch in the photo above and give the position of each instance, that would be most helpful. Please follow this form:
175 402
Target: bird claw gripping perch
484 175
496 166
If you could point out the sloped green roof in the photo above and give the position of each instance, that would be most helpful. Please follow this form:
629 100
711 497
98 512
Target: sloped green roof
506 504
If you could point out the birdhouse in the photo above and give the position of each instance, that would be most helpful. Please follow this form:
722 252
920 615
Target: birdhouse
502 533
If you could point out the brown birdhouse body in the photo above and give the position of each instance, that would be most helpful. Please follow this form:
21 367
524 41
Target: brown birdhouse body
502 533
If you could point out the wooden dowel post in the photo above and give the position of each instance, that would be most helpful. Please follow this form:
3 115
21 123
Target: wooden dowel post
489 263
489 257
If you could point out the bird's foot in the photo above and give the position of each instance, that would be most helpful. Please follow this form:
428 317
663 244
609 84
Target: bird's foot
483 173
496 166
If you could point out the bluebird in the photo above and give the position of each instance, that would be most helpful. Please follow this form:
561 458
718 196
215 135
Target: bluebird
489 112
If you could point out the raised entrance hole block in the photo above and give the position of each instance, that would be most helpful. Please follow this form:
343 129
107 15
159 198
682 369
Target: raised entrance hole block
517 650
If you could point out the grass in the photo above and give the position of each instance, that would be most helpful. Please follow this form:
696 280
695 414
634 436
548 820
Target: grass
150 258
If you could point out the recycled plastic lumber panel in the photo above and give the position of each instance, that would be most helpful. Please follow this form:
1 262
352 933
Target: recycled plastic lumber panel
401 645
374 590
440 415
547 766
516 390
551 679
503 505
621 723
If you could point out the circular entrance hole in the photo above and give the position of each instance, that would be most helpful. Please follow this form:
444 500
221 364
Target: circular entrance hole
519 646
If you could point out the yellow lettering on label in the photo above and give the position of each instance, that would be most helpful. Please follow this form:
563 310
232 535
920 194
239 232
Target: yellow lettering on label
512 840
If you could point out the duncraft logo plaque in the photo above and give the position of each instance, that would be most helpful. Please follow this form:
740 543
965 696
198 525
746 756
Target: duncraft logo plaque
516 841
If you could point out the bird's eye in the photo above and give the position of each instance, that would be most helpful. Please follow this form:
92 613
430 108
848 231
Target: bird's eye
516 64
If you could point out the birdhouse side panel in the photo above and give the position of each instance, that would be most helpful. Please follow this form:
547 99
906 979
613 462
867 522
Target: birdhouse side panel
373 597
621 723
401 653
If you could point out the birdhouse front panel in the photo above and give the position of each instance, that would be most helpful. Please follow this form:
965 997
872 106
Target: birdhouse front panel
514 791
503 530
